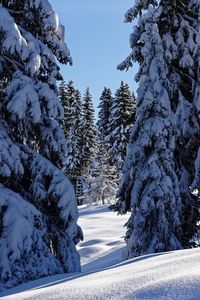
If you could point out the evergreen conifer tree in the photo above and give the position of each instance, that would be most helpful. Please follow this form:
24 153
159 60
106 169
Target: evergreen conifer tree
150 185
38 212
193 14
72 124
101 182
122 114
75 140
179 31
68 99
89 132
105 105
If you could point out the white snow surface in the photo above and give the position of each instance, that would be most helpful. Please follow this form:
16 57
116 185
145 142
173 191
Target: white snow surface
171 275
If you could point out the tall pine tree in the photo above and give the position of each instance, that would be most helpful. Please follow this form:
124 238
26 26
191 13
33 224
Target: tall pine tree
72 125
101 182
122 114
194 11
38 212
105 104
75 140
150 185
179 31
68 99
89 131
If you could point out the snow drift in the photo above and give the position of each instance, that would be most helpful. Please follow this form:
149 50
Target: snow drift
170 275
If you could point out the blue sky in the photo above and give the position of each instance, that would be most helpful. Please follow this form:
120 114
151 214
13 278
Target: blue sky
98 40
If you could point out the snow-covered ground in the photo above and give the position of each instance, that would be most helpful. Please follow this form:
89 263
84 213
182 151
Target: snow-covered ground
173 275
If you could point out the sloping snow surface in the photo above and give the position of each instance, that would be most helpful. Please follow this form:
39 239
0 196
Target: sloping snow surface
172 275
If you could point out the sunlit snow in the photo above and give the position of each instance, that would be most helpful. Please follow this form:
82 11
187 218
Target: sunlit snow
172 275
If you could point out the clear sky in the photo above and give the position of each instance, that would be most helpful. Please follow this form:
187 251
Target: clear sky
98 40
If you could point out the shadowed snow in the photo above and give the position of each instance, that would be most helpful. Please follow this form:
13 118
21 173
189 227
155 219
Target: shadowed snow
171 275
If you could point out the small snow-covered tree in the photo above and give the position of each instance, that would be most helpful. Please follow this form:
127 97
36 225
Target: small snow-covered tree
38 211
150 185
75 141
100 185
122 113
67 97
63 100
105 105
89 132
72 125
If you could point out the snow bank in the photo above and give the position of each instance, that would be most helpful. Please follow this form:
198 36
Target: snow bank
171 275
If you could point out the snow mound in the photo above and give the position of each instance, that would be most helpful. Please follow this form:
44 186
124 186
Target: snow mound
170 275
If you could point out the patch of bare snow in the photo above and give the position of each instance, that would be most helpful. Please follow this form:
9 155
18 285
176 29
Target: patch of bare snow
171 275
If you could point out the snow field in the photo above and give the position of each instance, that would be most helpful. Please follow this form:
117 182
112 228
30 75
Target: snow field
103 237
162 276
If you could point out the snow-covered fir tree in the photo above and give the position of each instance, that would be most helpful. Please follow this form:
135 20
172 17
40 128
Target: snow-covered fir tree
179 29
72 125
38 211
193 45
75 140
63 99
67 94
105 105
122 114
101 183
89 132
150 185
103 125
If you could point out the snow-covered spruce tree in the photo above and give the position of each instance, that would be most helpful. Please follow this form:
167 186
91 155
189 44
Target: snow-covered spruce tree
101 183
78 155
89 132
121 119
75 140
38 212
105 105
179 29
72 125
89 145
194 10
67 97
63 100
150 184
104 128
